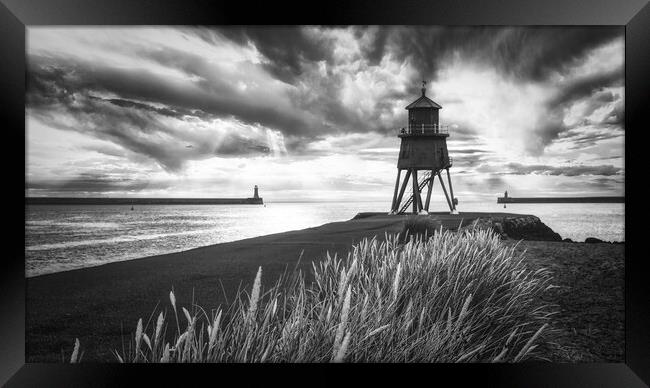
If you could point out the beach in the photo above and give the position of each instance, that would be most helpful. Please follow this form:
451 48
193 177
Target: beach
100 305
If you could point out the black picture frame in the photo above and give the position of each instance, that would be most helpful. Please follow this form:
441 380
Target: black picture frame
16 15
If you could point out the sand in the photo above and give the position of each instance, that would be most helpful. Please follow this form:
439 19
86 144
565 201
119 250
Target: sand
101 305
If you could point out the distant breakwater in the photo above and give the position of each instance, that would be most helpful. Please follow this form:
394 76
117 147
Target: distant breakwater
561 200
142 201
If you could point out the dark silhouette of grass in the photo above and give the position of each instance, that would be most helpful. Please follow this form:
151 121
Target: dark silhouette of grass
419 227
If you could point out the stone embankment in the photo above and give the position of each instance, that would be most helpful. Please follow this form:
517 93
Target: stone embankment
520 227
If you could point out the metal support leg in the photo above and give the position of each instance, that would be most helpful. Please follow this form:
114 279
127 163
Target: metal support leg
401 192
451 190
420 207
444 189
426 205
415 192
393 206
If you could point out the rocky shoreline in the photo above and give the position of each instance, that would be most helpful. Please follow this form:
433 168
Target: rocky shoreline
524 227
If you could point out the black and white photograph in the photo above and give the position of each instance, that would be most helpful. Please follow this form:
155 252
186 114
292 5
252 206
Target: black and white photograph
309 194
447 193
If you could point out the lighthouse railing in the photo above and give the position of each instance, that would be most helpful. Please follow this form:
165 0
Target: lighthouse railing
425 128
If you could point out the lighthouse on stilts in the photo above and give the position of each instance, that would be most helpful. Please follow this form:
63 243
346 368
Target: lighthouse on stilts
423 156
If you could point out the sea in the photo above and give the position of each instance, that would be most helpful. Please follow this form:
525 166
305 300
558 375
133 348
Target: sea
65 237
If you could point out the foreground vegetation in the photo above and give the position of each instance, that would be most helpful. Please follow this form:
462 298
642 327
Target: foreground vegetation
453 297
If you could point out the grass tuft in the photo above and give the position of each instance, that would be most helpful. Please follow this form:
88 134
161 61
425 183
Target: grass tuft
419 227
75 358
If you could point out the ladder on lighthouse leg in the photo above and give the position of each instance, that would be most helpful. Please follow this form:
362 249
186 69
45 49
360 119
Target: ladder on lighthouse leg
423 182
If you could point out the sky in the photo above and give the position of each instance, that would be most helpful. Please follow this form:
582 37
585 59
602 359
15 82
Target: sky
311 113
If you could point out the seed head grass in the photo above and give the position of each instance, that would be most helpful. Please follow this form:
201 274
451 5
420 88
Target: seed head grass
448 297
419 227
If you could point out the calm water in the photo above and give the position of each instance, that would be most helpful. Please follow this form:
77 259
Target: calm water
59 238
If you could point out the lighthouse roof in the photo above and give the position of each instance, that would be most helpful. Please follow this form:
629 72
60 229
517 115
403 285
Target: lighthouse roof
423 102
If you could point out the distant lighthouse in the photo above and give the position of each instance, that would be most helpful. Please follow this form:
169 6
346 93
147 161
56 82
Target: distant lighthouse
255 199
423 149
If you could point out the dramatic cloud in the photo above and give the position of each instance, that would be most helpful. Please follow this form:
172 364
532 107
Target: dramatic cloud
605 170
167 111
95 183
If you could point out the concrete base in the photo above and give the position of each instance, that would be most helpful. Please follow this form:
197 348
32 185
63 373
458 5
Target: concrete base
423 212
453 211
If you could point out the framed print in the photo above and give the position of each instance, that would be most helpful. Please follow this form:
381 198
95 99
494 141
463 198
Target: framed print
385 189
